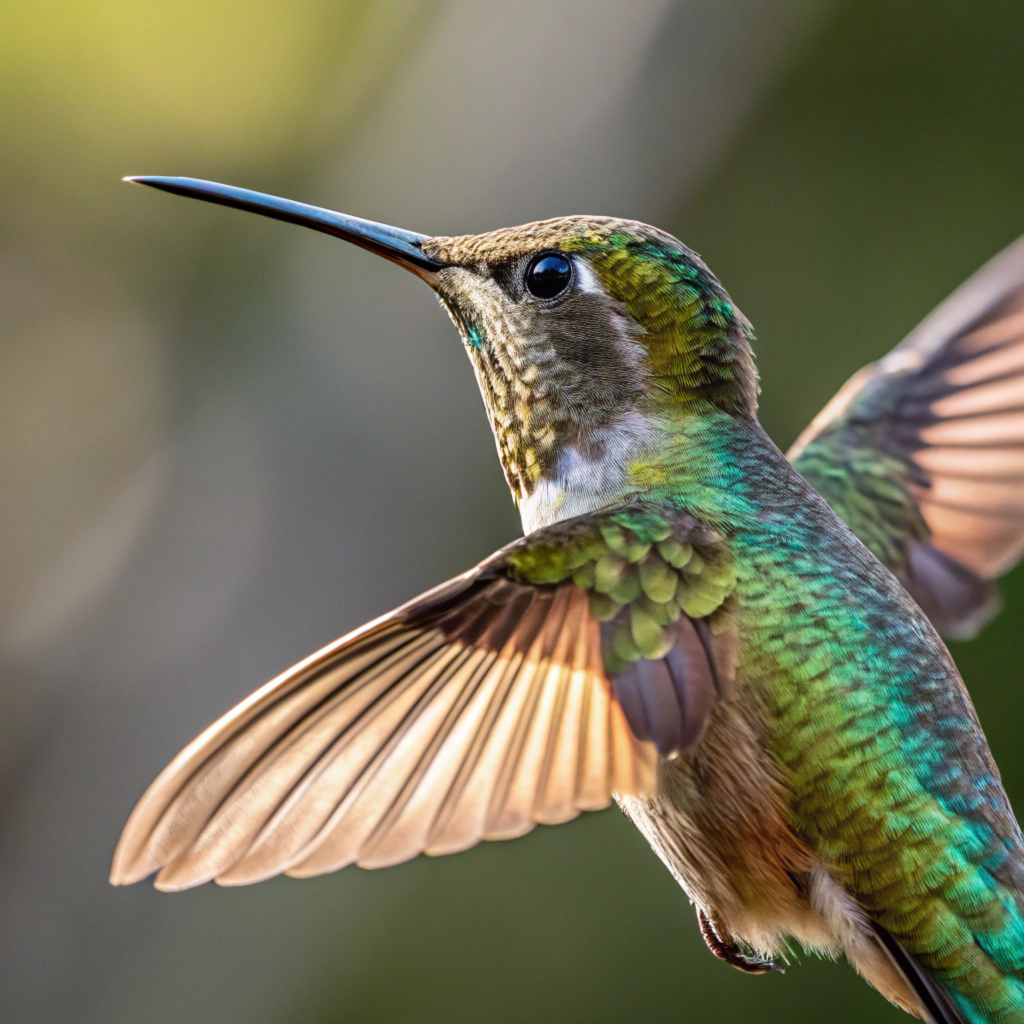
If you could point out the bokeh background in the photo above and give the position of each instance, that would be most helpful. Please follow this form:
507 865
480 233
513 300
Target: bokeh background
225 441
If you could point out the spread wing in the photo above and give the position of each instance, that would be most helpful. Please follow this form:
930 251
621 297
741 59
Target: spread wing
922 453
527 690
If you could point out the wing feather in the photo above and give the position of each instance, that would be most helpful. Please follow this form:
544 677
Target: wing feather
477 711
941 419
399 739
319 767
171 814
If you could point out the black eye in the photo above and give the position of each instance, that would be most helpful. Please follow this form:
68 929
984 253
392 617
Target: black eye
548 275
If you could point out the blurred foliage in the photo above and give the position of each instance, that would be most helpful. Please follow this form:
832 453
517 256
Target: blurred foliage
92 297
216 87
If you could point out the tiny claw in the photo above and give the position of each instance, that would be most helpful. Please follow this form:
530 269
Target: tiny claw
726 948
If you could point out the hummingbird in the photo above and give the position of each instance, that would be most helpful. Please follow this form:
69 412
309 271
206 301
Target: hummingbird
742 649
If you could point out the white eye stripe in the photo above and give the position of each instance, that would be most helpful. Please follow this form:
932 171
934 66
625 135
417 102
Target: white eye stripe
586 277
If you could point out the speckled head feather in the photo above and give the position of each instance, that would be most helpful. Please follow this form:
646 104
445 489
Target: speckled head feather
644 328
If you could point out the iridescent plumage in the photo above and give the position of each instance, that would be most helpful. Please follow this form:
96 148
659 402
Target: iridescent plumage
688 625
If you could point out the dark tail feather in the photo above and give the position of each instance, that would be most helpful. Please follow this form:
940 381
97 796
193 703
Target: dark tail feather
934 1001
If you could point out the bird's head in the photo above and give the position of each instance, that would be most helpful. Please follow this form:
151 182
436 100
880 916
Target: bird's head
579 328
579 324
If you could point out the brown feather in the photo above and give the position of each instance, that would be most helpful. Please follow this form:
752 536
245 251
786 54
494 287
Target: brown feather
476 712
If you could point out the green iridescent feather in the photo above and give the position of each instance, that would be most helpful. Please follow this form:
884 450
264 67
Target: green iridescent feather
868 489
697 341
891 780
641 567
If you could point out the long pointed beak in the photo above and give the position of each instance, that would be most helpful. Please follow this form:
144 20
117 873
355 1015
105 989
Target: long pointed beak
402 247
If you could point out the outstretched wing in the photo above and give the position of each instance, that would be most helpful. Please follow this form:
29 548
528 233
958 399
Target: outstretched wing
529 689
922 453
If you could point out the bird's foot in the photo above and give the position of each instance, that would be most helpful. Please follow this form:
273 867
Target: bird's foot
725 948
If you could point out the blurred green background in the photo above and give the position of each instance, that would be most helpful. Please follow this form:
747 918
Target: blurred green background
223 441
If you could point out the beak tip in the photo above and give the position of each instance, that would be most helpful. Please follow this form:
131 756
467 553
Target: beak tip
140 179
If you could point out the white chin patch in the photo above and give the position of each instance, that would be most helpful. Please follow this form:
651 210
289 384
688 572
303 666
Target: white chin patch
579 484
